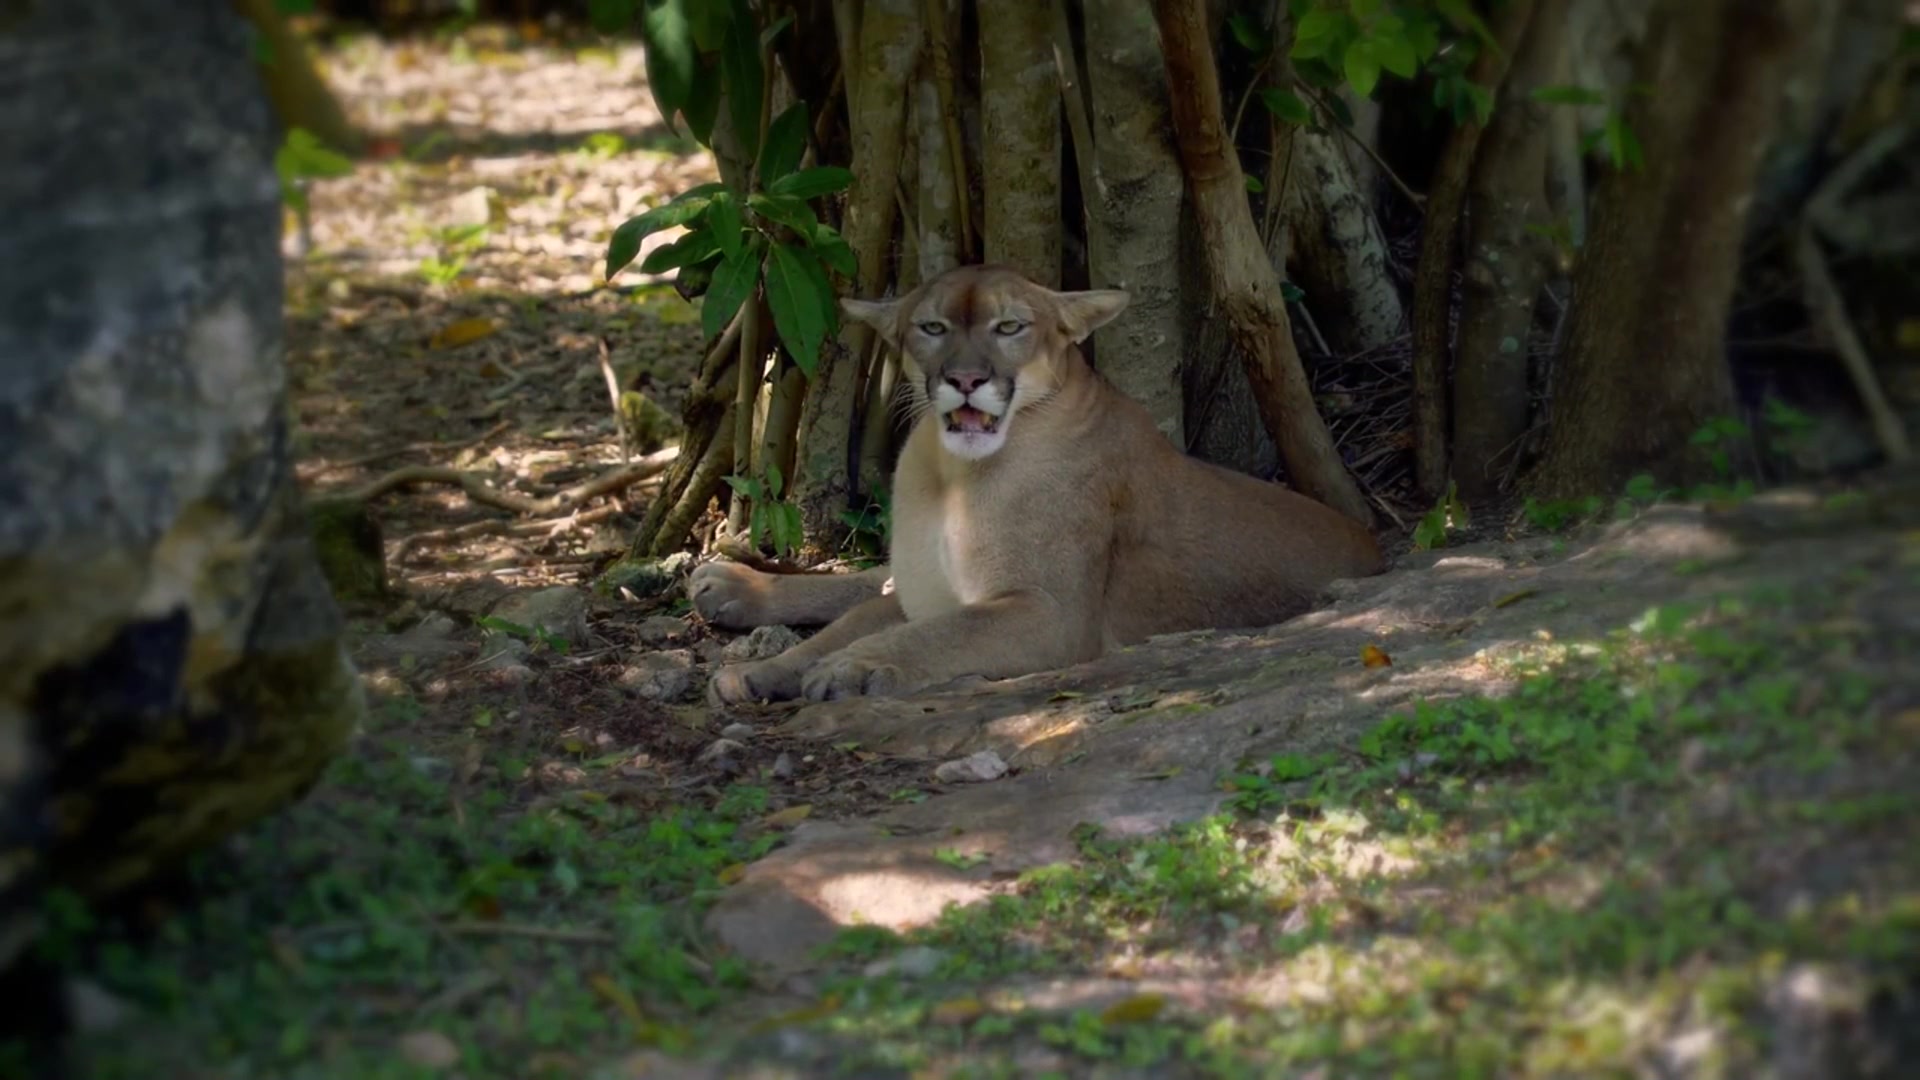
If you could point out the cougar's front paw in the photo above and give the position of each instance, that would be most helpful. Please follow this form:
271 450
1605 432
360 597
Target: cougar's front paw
853 676
741 684
728 595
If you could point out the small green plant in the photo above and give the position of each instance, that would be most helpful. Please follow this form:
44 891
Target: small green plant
770 518
301 159
603 145
533 635
1448 514
1622 146
870 529
456 244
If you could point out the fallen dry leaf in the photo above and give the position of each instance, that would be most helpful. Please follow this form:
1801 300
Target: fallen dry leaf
462 332
429 1050
1137 1009
957 1010
1375 656
791 816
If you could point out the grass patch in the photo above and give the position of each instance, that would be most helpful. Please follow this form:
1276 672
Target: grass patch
1606 869
524 930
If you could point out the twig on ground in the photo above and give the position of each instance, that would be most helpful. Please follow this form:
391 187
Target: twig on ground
421 447
549 528
613 399
486 494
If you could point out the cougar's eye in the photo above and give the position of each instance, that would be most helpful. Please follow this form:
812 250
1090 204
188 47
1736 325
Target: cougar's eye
933 329
1008 327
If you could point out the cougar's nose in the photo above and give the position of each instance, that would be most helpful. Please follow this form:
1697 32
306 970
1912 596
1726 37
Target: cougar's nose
966 381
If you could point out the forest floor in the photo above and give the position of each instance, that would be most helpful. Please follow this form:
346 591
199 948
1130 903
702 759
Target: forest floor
1630 795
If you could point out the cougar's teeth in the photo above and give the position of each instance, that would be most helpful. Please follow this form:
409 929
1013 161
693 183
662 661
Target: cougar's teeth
969 419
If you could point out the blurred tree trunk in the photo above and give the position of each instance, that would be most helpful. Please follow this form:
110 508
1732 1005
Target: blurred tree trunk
1645 362
1134 212
1020 138
1505 264
1336 247
300 96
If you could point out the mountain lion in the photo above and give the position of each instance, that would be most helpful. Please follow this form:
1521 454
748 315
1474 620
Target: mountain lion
1039 517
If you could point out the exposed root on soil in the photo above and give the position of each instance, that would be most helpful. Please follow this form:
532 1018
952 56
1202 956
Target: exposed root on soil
480 491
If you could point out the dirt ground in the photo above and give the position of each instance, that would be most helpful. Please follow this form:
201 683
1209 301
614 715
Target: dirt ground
1637 797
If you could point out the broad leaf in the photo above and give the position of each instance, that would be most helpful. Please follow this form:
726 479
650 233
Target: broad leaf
786 142
1396 55
1318 24
797 310
695 247
1248 35
787 210
1460 13
812 183
822 291
1286 105
703 103
833 250
743 76
1363 69
671 59
723 220
709 23
685 208
733 281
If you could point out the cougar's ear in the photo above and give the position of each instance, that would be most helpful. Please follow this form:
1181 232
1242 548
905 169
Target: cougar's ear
1081 313
882 315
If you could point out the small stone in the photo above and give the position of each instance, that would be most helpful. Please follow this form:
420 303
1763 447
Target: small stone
783 766
473 207
507 657
429 1050
738 731
763 642
660 676
661 629
431 767
915 962
974 768
92 1008
721 748
437 626
560 611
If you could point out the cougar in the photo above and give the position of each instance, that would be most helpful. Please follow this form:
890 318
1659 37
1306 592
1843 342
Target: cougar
1040 518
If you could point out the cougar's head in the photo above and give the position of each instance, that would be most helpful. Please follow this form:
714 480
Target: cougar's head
980 343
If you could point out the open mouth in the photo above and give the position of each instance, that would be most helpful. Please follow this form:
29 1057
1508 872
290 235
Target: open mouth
971 421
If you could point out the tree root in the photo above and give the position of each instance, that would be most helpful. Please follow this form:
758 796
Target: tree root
546 527
486 494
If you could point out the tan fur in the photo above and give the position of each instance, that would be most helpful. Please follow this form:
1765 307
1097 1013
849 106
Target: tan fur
1084 530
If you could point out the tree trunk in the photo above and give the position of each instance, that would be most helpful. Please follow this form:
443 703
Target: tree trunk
1336 247
171 661
889 35
300 96
1244 281
1134 209
1646 364
1433 283
1020 148
1506 263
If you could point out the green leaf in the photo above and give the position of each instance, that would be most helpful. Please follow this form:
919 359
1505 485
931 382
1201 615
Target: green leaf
685 208
723 220
703 103
1248 35
786 142
774 480
1363 69
1253 184
743 76
1396 55
733 281
1622 145
1568 95
1461 14
772 32
1365 9
303 155
812 183
710 23
610 16
787 210
797 310
695 247
832 249
823 289
1317 24
1286 105
670 54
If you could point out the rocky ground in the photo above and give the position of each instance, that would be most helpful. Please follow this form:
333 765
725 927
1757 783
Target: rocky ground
1634 796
